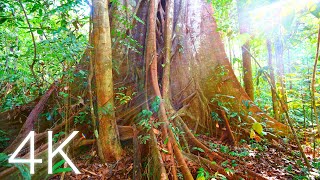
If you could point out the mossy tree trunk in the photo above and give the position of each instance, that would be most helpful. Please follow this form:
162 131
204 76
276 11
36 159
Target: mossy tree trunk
108 138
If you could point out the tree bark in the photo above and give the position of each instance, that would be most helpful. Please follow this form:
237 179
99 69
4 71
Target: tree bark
275 103
200 65
108 139
196 72
244 25
280 70
313 81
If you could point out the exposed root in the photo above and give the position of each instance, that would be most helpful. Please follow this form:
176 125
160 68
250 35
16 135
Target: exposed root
206 163
212 155
157 166
136 155
230 134
182 164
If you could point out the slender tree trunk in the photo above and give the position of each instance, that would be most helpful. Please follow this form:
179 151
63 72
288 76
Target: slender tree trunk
246 58
280 70
275 103
108 136
313 81
289 68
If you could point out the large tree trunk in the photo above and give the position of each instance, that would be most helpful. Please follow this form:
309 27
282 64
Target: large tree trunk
201 67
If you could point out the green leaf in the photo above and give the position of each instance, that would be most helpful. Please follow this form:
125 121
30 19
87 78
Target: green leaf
96 133
61 170
3 20
58 164
198 149
165 151
200 178
166 141
257 127
224 149
252 134
24 171
156 104
229 171
138 19
225 163
4 160
40 31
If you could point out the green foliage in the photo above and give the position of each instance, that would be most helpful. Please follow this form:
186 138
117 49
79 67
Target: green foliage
57 168
229 171
120 35
215 116
198 149
107 109
24 171
82 118
122 97
289 168
257 146
144 118
224 149
316 164
61 38
225 163
4 160
315 10
225 14
155 104
4 139
202 174
144 138
242 153
57 136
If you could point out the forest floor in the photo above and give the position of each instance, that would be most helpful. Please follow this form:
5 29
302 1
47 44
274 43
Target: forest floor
263 158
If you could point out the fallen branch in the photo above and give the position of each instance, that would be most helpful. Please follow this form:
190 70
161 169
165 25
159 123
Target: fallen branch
32 118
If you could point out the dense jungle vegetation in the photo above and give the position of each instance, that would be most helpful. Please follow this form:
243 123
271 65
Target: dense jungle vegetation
168 89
